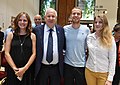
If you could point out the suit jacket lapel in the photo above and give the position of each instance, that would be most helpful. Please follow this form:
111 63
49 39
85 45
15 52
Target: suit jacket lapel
42 40
58 36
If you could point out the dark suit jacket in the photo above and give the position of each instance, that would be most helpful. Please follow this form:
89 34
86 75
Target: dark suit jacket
39 32
1 40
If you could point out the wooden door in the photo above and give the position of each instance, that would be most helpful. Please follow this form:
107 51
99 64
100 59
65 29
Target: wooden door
64 10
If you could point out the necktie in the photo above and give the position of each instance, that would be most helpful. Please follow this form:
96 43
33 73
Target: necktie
49 56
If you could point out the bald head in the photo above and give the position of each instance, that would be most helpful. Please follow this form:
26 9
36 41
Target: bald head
37 19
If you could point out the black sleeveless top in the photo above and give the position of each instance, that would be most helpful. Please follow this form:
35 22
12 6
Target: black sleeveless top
21 49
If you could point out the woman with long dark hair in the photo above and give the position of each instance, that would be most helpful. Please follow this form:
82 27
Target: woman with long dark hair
20 52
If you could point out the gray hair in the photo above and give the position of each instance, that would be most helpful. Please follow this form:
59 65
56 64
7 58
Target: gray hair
51 9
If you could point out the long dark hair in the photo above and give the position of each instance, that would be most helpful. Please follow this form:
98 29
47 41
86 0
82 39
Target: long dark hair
16 27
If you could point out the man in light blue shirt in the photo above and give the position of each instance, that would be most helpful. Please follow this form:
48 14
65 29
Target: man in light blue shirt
7 31
10 28
75 57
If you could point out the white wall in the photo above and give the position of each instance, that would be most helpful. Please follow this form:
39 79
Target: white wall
111 6
10 8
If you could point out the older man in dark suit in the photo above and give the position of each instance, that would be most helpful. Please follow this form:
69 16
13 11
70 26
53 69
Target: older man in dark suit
50 44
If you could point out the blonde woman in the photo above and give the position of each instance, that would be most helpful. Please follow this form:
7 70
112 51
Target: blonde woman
100 65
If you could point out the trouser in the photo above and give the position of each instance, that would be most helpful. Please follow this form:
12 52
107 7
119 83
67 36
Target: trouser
95 78
48 75
116 78
74 75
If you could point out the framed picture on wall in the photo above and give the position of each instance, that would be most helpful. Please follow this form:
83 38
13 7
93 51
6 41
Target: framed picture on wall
88 7
44 4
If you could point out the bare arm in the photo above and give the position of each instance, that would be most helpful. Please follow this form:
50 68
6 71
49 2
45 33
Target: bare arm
33 56
7 51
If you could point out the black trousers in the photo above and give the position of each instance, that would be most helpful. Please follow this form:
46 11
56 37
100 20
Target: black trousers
1 47
74 75
116 78
48 75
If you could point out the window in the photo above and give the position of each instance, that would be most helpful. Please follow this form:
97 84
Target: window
44 4
87 7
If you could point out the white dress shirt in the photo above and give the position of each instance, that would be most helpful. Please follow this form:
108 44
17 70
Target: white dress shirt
101 59
55 45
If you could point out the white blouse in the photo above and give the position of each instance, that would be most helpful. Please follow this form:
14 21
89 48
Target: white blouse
101 59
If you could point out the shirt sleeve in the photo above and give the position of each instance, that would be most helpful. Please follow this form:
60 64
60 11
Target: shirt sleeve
112 61
5 34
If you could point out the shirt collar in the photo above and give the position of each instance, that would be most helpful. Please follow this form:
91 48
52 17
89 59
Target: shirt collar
46 28
94 36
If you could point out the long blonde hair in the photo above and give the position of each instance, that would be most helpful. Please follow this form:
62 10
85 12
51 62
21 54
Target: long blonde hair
105 32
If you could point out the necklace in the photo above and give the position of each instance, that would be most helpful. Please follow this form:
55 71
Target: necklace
22 42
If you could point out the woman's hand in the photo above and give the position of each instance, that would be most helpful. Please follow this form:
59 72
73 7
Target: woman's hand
108 83
20 72
15 69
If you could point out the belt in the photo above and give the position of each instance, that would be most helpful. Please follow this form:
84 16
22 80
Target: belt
49 65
